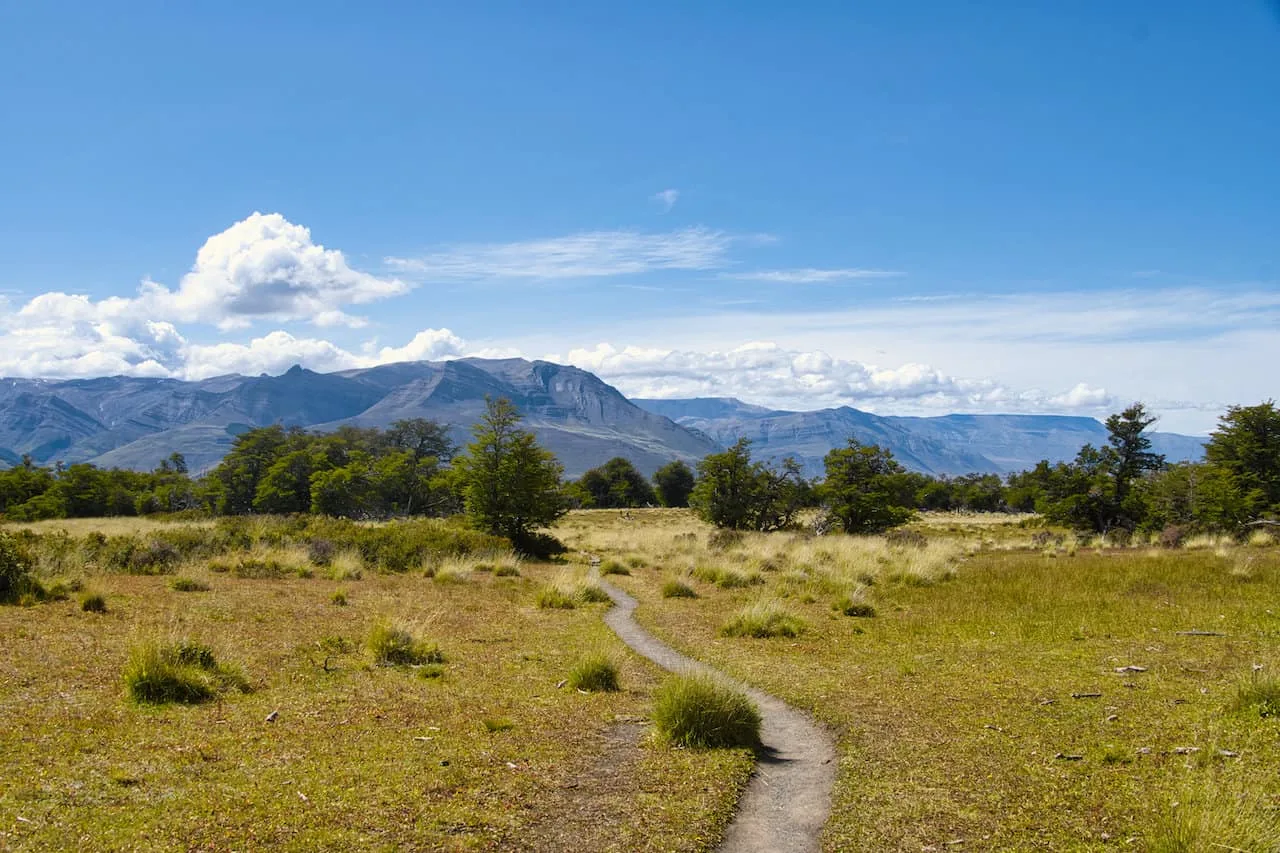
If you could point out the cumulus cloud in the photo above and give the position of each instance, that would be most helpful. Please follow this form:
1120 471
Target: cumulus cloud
765 372
666 199
585 255
811 275
266 267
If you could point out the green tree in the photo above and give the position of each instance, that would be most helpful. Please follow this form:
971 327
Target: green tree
733 491
252 455
510 485
1246 445
860 489
1131 457
673 483
616 484
286 486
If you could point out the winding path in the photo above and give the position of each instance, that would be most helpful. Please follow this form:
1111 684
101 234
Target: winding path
788 799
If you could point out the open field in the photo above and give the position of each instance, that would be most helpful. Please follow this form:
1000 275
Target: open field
487 751
987 683
955 704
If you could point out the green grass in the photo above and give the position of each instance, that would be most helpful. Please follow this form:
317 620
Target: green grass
678 589
184 672
93 602
184 584
386 760
764 618
614 567
702 711
396 644
1259 695
950 706
595 672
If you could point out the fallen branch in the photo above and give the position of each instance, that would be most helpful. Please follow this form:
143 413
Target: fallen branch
1086 695
1199 633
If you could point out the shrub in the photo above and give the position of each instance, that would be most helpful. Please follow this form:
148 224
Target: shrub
677 589
901 538
393 644
339 598
1172 536
183 584
507 570
497 724
554 597
185 672
595 672
15 570
764 618
613 567
321 551
723 539
734 579
859 609
592 593
701 711
92 602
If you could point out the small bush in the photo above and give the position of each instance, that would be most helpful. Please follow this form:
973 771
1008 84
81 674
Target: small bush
539 546
256 568
701 711
613 567
393 644
507 570
592 593
597 672
92 602
321 552
183 584
677 589
902 538
555 597
724 539
1172 536
338 599
858 609
497 724
765 618
15 570
734 579
185 672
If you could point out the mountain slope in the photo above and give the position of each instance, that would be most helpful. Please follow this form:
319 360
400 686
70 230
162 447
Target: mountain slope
137 422
950 444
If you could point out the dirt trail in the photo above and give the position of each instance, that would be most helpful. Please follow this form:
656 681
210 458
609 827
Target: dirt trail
788 799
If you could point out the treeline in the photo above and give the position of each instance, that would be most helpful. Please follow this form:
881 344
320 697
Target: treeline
511 485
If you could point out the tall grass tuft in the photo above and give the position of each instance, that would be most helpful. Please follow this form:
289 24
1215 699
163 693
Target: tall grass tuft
395 644
764 618
595 672
702 711
93 602
677 589
185 672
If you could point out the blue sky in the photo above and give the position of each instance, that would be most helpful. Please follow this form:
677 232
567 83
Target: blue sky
909 208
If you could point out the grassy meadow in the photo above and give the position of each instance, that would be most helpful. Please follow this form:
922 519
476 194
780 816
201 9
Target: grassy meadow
489 749
991 685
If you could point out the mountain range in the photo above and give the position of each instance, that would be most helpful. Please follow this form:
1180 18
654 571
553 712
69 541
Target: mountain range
135 422
944 445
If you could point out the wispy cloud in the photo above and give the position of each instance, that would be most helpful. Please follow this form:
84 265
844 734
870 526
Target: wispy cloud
812 275
666 199
583 255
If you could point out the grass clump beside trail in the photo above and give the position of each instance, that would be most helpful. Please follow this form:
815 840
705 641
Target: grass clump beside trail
567 590
185 672
764 618
595 672
395 644
677 589
702 711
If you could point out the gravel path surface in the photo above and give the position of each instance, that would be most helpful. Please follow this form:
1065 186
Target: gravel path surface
788 799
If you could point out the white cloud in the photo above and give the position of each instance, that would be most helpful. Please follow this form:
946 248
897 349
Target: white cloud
810 275
265 267
806 379
666 199
585 255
